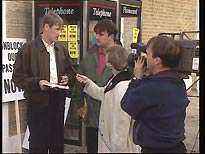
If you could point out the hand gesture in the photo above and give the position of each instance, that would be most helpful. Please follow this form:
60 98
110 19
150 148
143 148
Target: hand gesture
42 84
82 78
64 80
139 67
82 112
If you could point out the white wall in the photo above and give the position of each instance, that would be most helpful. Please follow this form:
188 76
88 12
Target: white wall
5 126
9 143
4 105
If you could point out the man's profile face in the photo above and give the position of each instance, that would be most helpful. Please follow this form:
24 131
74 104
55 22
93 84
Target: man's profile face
53 32
102 39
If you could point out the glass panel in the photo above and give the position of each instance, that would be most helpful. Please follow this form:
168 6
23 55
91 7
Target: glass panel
72 129
71 13
71 16
126 35
92 33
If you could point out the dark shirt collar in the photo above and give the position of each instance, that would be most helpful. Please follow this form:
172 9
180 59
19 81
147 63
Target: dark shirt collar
114 80
165 74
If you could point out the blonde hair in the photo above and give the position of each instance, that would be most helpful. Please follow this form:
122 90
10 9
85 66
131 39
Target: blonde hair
117 56
52 19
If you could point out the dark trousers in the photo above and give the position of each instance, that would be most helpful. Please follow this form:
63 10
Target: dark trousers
46 126
92 139
179 148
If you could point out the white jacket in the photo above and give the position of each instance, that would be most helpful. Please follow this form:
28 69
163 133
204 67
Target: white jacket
115 125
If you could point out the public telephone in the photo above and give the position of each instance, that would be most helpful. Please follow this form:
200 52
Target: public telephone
130 25
98 10
80 17
71 13
70 38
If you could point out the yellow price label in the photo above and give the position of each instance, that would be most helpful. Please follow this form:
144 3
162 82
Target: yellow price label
135 35
73 49
72 33
64 34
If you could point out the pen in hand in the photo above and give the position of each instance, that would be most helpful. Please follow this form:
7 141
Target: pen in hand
64 80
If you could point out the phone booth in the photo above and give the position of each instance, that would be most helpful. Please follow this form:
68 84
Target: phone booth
98 10
71 12
130 22
80 17
71 37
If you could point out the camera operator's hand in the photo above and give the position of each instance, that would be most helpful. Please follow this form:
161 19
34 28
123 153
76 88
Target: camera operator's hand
139 67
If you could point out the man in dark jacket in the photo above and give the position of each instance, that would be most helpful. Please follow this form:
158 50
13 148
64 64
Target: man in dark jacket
93 66
158 102
39 63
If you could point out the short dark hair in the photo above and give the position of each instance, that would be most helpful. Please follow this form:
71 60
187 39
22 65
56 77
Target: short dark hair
106 25
52 19
167 49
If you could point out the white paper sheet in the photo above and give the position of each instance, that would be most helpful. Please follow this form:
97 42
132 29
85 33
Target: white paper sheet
57 86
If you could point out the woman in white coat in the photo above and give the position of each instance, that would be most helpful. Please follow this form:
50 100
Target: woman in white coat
115 126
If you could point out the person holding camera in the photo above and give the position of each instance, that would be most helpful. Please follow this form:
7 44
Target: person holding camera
158 102
115 125
38 63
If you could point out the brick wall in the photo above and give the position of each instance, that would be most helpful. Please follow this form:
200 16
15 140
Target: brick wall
167 16
19 19
12 118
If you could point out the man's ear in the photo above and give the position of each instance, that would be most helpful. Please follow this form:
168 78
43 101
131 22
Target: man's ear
112 36
157 60
46 27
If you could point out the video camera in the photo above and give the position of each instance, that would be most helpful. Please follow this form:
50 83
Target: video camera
189 60
137 49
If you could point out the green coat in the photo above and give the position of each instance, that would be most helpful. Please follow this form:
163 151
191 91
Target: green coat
89 67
